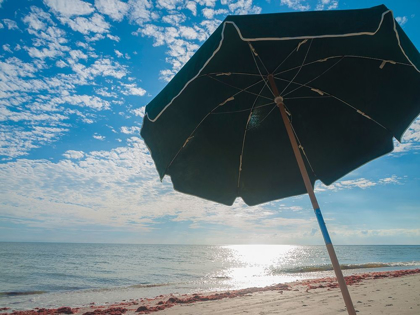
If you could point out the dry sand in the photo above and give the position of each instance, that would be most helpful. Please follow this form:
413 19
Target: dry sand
396 293
397 296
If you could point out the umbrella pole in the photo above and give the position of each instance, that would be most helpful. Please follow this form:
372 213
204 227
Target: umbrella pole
342 283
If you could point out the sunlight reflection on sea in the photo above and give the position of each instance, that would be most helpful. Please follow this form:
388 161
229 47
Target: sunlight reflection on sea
51 275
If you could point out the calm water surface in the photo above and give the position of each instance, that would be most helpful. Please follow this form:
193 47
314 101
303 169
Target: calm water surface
52 274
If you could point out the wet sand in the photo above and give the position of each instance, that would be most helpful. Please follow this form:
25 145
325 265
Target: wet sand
393 292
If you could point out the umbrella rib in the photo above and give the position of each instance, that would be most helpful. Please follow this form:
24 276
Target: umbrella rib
344 56
301 97
324 72
242 90
244 138
298 141
189 138
254 53
285 59
211 112
243 110
300 68
338 99
229 73
261 121
268 114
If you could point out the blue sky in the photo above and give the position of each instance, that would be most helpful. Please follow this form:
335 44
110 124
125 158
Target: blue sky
74 79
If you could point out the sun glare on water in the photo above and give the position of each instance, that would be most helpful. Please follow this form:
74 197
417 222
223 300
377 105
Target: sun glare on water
259 265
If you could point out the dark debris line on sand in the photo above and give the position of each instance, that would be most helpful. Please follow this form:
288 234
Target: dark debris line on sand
159 303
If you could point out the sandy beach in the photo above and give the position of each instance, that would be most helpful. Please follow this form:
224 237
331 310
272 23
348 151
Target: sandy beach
393 292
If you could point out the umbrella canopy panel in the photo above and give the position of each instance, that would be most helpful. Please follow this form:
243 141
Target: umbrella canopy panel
349 80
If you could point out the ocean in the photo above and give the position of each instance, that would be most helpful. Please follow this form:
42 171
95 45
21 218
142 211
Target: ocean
56 274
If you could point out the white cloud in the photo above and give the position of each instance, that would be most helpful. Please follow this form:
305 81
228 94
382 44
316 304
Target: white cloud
6 47
390 180
93 102
114 8
169 4
10 24
361 183
139 111
182 41
192 6
327 5
69 8
94 37
242 7
209 3
108 188
277 222
77 54
167 75
132 89
402 20
154 31
44 53
36 19
24 115
174 19
94 24
72 154
130 130
103 67
49 40
14 67
210 13
410 140
179 50
139 11
112 37
15 141
38 94
104 92
299 5
118 53
98 137
191 33
210 25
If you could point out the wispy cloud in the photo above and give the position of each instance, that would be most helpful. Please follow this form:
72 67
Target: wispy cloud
10 24
410 140
111 188
72 154
94 24
327 5
182 41
402 20
361 183
69 8
299 5
98 137
115 9
130 130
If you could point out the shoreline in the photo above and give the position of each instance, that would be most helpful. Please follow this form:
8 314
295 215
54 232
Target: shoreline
360 285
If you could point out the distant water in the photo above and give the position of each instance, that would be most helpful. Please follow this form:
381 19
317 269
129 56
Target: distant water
52 274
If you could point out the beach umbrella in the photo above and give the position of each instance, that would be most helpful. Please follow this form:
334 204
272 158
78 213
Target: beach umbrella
271 103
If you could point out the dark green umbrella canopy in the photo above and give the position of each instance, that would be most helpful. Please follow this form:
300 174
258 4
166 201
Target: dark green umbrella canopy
350 81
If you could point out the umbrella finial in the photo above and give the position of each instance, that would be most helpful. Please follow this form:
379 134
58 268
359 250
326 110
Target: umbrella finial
278 100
